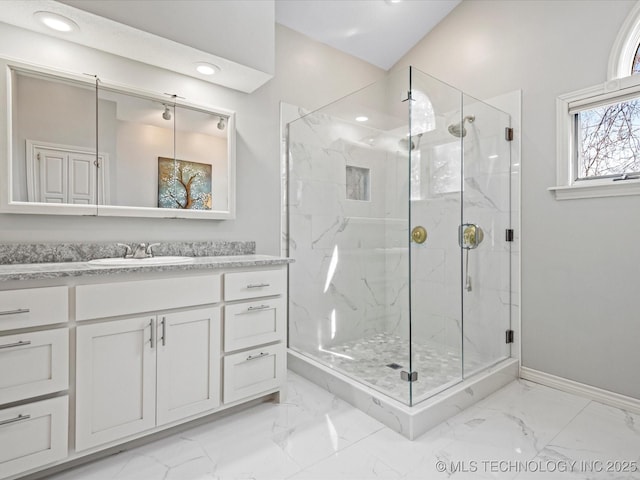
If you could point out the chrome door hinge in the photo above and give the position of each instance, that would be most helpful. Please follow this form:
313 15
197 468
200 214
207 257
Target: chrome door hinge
509 336
508 234
508 134
409 377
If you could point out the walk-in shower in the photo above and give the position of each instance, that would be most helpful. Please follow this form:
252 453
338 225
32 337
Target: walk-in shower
399 220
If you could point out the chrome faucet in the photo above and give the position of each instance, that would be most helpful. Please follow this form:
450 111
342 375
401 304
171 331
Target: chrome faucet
141 250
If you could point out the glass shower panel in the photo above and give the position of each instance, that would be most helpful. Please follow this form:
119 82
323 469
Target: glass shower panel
348 228
436 203
486 253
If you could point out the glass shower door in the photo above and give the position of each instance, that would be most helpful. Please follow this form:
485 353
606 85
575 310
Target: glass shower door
486 217
435 204
459 256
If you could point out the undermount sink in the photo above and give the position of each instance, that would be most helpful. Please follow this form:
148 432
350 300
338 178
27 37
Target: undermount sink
137 262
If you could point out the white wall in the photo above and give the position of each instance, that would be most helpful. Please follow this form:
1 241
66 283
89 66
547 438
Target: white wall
308 74
580 259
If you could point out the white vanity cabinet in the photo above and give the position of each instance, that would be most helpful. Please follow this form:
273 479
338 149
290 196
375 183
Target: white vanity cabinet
34 362
136 373
254 332
90 363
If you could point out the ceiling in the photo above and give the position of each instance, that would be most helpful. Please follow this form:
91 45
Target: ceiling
235 35
377 31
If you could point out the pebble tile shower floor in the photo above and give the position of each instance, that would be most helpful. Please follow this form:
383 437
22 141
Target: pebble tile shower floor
377 361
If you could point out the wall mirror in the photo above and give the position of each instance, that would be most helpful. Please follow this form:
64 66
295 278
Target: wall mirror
79 146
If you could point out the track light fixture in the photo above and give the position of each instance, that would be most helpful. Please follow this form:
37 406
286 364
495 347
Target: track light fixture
167 113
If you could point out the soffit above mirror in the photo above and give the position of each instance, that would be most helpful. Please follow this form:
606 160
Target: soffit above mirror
238 69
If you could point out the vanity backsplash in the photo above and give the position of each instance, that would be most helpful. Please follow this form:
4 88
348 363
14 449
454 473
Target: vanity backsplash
20 253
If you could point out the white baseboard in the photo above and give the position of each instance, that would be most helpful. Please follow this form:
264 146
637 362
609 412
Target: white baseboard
607 397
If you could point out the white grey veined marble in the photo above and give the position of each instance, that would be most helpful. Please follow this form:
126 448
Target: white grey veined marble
36 271
314 435
20 253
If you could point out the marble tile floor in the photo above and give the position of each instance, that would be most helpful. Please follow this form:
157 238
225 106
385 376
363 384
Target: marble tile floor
368 359
524 431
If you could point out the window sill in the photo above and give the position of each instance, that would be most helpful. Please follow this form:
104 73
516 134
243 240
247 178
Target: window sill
609 189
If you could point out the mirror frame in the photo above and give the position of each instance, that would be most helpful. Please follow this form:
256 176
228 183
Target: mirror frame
8 205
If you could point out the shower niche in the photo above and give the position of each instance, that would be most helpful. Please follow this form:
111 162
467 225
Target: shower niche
367 302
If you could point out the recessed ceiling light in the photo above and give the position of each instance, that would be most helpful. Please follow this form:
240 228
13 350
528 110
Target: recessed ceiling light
56 22
207 68
362 118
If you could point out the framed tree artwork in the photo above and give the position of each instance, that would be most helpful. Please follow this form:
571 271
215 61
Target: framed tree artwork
184 185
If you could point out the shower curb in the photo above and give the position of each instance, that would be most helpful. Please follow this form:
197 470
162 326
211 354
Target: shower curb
410 422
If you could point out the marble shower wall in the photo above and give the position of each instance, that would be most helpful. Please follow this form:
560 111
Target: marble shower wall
343 201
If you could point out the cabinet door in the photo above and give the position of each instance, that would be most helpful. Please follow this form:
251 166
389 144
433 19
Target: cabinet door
188 363
82 178
115 380
53 176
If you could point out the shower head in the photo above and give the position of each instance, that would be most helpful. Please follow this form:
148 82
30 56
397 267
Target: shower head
457 129
415 142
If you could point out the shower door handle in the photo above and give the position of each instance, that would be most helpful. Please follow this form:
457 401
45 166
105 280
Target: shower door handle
419 234
470 236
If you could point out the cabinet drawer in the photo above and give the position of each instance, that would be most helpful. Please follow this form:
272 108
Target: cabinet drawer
43 358
254 323
33 435
33 307
128 298
259 283
253 372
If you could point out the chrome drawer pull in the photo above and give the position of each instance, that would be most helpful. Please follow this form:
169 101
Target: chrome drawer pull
253 357
21 343
258 285
19 418
15 312
261 307
152 340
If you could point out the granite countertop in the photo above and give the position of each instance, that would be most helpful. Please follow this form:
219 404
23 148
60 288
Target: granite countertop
36 271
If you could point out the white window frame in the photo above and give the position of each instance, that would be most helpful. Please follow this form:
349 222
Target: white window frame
620 86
